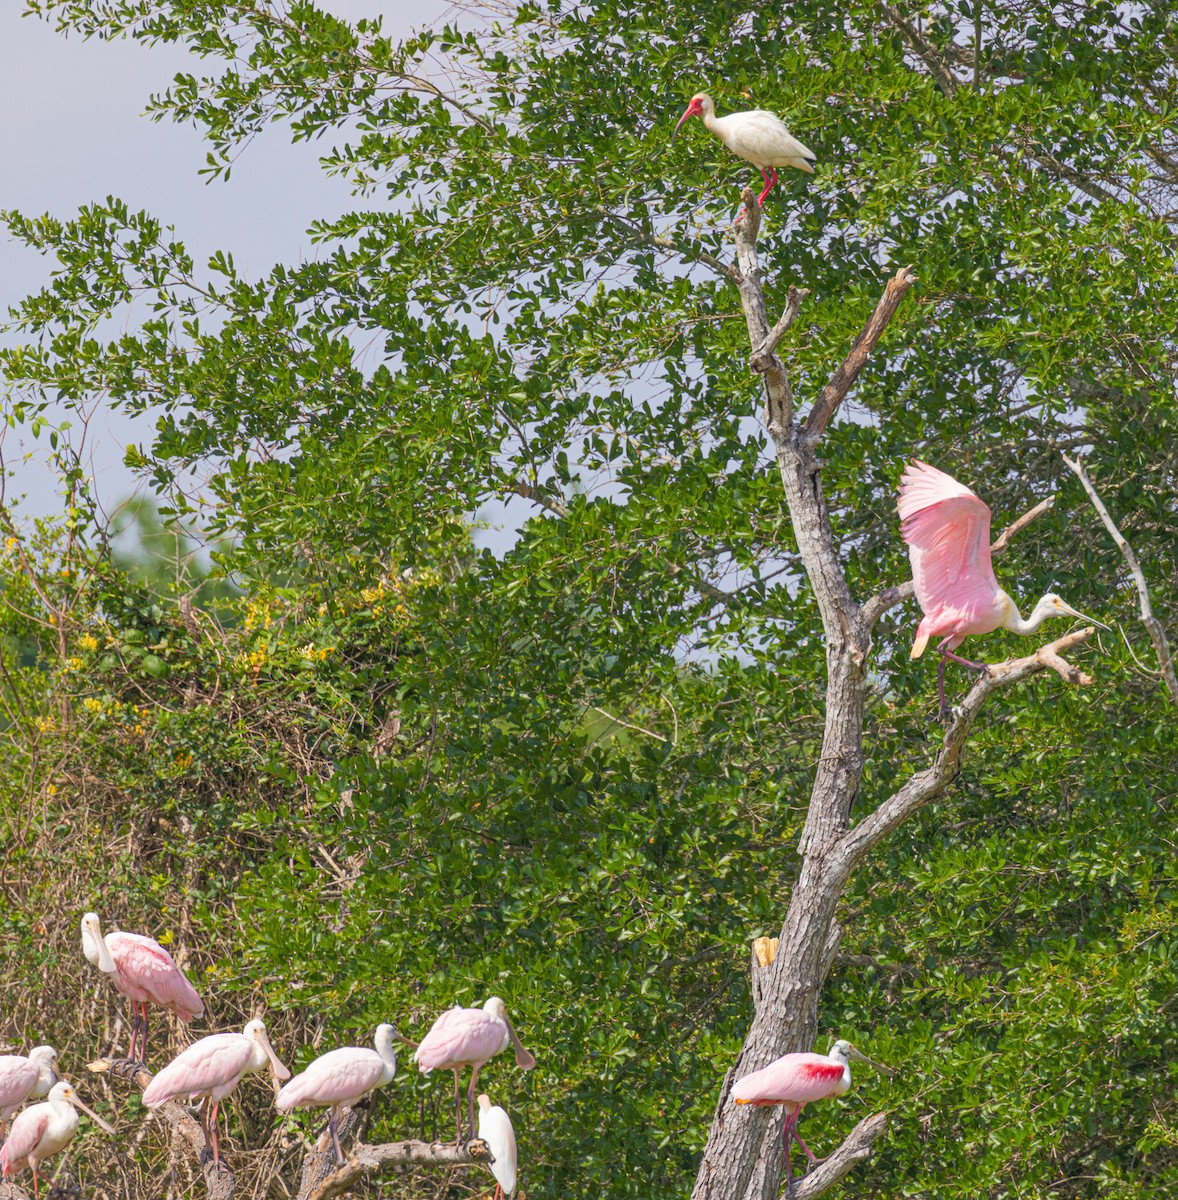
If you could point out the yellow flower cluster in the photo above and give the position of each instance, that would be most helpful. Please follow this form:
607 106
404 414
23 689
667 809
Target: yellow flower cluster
253 661
258 615
313 653
88 642
92 704
74 664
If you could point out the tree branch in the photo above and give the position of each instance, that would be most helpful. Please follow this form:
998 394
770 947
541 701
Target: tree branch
186 1129
1153 626
878 605
933 780
856 1147
368 1160
923 49
763 359
840 382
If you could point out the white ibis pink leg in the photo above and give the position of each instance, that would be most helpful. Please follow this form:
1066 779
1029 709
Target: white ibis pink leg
770 177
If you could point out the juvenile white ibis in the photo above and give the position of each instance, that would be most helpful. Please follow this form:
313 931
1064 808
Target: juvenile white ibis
469 1037
211 1068
793 1081
143 971
496 1130
758 136
341 1078
947 529
44 1129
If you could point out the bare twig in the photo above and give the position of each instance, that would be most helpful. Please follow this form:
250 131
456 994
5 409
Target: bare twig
840 382
879 604
922 48
1153 626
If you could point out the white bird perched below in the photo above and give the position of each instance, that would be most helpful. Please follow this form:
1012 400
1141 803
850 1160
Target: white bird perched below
341 1078
496 1130
44 1129
758 136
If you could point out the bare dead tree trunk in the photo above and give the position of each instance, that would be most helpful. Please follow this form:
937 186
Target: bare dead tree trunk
744 1159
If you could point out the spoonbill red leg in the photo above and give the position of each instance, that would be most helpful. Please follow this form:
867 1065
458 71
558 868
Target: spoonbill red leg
965 662
806 1149
143 1039
458 1107
474 1076
786 1137
331 1124
213 1131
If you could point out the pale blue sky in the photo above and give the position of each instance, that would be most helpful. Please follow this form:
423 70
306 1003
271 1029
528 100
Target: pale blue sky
71 132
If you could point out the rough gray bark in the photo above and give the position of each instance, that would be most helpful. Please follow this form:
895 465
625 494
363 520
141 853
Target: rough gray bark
743 1159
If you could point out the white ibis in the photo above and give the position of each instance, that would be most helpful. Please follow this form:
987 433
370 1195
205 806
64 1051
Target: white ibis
496 1130
758 136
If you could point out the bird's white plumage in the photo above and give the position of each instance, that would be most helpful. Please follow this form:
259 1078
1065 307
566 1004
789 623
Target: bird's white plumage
496 1130
761 138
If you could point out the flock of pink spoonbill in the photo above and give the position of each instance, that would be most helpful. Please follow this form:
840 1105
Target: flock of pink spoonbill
209 1069
947 529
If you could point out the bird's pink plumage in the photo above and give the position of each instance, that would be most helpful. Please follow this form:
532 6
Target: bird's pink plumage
947 529
18 1077
794 1079
460 1037
146 971
210 1063
337 1077
27 1130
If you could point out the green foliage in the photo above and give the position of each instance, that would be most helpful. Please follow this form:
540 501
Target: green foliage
394 774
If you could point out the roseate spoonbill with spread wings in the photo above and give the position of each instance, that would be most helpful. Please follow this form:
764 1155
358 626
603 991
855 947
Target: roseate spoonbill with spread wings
143 971
44 1129
24 1078
341 1078
758 136
469 1037
496 1130
211 1068
947 529
793 1081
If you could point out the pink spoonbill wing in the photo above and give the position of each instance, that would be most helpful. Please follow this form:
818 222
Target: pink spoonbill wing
793 1079
216 1062
18 1077
460 1037
947 529
23 1138
338 1077
144 964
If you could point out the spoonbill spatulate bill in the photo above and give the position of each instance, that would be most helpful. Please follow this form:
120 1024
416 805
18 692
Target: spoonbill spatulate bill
758 136
793 1081
341 1078
43 1130
947 529
469 1037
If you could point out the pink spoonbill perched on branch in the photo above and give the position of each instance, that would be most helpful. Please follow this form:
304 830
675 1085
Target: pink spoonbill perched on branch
793 1081
947 529
757 136
496 1130
44 1129
24 1078
341 1078
211 1068
143 971
469 1037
